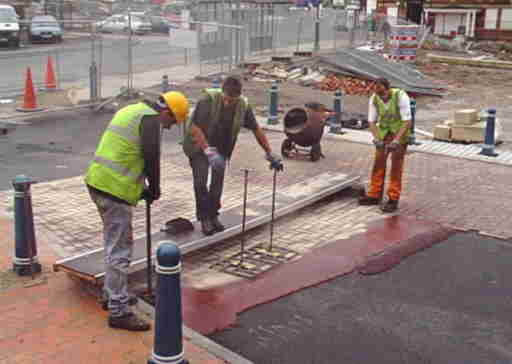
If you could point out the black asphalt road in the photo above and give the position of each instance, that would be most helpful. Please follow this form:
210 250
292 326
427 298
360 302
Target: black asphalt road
449 304
57 146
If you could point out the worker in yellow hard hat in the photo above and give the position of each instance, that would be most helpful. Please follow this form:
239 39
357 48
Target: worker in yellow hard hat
126 160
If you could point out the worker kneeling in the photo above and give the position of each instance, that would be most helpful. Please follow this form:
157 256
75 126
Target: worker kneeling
128 156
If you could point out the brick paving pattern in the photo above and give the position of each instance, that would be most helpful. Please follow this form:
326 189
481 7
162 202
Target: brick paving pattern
458 192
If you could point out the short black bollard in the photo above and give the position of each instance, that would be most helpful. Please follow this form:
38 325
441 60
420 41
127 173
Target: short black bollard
25 260
490 126
336 128
273 104
168 341
165 83
412 136
93 81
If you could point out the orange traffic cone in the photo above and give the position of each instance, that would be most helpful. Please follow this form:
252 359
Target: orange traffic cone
29 98
51 84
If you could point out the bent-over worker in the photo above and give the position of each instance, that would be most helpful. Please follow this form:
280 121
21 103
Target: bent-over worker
128 156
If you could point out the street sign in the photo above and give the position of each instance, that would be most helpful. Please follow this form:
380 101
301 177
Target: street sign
183 38
210 27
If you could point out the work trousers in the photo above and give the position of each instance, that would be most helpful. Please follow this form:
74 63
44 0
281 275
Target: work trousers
118 244
208 198
378 176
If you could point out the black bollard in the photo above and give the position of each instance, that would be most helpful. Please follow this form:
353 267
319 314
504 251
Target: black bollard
25 260
412 136
338 109
165 83
490 126
168 341
273 104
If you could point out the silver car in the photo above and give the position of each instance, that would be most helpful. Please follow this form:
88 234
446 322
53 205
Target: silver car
45 28
121 23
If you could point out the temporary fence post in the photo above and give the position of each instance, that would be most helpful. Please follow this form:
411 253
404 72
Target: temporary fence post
274 101
168 338
489 143
25 260
299 33
317 28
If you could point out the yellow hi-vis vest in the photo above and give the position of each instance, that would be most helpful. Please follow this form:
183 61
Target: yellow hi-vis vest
215 95
390 120
118 165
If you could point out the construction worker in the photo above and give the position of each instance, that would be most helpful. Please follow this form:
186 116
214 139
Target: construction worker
389 116
210 136
127 158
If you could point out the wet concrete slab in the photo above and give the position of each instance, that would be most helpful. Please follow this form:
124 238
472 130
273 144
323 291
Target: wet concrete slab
214 305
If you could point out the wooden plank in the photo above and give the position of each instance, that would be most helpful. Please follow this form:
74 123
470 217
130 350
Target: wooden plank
258 212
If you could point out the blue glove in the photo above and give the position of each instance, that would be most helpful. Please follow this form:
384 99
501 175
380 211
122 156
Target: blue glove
275 161
215 160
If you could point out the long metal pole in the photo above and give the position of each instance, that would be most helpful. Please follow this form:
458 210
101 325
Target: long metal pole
273 209
149 249
242 238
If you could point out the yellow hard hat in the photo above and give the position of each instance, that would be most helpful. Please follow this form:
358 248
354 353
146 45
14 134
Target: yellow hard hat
178 103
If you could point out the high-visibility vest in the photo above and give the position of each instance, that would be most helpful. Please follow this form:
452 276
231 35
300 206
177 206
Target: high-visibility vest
118 164
215 95
390 120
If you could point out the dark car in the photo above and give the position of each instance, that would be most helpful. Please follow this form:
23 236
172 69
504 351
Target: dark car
159 24
45 28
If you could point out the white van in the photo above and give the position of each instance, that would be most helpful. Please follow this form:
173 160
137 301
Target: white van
9 26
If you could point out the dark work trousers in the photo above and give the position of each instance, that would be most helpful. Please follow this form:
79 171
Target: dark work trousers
207 197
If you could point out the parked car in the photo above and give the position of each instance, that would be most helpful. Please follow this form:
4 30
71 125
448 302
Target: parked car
45 28
160 24
121 23
9 26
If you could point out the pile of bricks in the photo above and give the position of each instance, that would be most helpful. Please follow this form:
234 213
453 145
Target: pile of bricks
349 85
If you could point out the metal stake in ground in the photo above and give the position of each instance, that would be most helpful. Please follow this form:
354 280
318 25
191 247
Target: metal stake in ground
148 248
273 210
242 238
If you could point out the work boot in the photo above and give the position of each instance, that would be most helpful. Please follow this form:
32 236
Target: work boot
131 301
217 224
207 227
129 321
390 206
367 200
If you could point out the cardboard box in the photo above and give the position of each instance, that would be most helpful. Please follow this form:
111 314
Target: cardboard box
443 132
466 117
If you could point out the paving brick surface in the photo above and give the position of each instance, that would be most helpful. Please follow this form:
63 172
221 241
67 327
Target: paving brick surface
52 320
458 192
